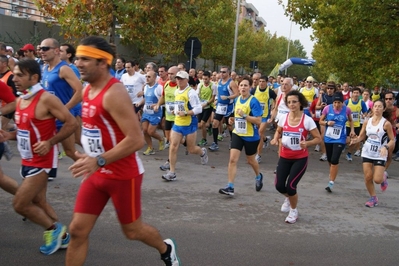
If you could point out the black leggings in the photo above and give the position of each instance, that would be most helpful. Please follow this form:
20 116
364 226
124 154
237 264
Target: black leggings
289 173
333 152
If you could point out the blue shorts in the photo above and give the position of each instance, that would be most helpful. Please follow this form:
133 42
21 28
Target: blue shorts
29 171
76 111
153 120
185 130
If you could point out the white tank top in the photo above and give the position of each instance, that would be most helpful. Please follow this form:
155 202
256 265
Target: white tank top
376 138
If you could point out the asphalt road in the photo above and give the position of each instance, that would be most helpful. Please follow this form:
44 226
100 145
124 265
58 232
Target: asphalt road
213 229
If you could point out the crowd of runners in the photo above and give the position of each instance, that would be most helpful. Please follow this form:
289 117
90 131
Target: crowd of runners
55 97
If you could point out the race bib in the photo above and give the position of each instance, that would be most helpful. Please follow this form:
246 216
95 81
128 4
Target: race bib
179 106
240 125
355 116
291 140
170 106
318 113
334 132
24 146
372 148
92 142
148 108
262 105
221 109
130 90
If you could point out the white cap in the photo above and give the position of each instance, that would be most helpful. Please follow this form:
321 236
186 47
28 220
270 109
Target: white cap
10 48
182 74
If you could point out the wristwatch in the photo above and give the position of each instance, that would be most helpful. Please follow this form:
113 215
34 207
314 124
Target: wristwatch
101 161
185 113
244 116
386 147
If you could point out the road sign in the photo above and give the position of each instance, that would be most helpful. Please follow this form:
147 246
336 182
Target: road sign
193 47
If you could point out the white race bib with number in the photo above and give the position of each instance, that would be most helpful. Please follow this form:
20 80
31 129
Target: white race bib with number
355 116
372 147
262 105
291 140
334 132
179 106
221 109
170 106
24 146
130 90
240 125
92 142
318 113
148 108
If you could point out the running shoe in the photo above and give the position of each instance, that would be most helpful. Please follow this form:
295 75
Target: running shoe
266 142
167 145
65 241
162 144
372 202
357 153
286 207
259 182
258 158
220 137
53 239
349 157
204 156
165 166
169 176
323 157
202 142
317 148
214 147
227 191
292 216
61 154
384 184
330 186
171 259
7 151
149 151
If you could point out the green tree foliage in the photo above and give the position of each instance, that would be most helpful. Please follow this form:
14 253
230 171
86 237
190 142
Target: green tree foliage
356 39
162 27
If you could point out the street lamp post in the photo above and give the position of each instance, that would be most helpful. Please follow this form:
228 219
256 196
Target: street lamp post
233 61
288 46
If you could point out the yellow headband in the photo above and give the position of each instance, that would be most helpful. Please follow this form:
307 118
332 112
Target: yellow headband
90 51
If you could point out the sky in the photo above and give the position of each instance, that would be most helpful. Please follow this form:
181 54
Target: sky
278 23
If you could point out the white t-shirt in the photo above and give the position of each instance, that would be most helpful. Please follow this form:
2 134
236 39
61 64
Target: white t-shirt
133 84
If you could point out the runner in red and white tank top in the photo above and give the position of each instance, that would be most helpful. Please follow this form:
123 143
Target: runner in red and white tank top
293 129
100 133
32 130
35 117
292 136
111 137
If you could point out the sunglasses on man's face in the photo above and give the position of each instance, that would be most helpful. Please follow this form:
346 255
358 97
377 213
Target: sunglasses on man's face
45 48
